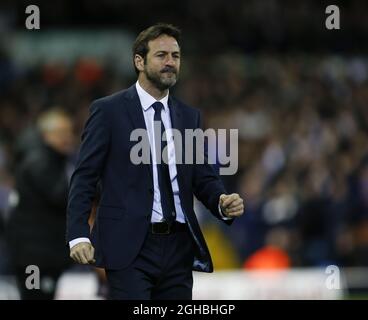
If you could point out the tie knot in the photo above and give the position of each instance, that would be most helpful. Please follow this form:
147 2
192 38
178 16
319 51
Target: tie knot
158 106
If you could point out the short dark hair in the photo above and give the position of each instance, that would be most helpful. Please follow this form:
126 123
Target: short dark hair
141 43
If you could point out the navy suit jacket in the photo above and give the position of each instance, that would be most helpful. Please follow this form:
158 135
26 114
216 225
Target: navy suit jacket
125 207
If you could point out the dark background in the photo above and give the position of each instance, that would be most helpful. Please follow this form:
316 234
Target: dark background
296 91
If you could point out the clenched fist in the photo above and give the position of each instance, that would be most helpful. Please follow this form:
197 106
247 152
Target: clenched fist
231 205
83 253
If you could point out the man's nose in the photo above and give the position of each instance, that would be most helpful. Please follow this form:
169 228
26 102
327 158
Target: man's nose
170 61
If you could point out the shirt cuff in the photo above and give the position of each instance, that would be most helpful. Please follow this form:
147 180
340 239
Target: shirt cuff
222 215
78 240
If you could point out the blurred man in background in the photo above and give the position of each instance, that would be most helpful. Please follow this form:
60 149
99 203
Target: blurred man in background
37 222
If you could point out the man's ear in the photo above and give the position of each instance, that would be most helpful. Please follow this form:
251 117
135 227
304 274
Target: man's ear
139 62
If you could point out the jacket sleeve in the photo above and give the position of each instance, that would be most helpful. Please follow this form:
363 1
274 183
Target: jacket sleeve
207 185
90 163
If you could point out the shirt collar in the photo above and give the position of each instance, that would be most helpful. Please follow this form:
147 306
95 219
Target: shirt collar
147 100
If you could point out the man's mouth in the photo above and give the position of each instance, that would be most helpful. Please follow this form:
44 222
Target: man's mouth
168 71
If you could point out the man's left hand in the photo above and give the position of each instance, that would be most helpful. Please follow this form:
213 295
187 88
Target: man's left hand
232 205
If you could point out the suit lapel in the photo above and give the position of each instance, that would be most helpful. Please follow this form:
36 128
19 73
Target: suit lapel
136 115
177 122
175 115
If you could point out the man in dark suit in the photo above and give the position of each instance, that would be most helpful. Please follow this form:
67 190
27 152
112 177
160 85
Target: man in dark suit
146 234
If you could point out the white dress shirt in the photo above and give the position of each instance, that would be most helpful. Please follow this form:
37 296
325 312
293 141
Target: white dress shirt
146 102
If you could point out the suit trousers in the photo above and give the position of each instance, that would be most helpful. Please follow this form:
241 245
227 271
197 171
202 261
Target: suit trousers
161 271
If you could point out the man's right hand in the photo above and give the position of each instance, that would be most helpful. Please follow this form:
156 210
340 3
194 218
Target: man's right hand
83 253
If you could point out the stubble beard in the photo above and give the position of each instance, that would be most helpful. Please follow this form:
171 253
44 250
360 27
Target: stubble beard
160 81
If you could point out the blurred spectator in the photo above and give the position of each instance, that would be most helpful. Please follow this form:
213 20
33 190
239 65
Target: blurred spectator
274 255
36 226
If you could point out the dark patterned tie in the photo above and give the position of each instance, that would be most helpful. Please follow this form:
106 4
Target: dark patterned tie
167 197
